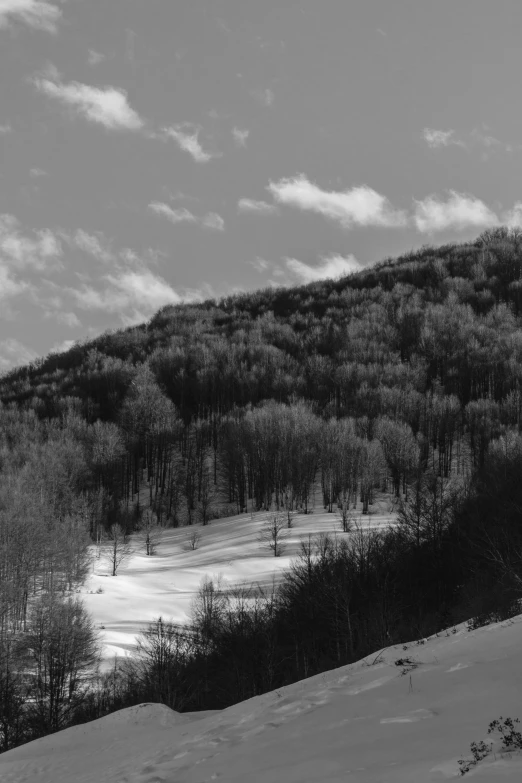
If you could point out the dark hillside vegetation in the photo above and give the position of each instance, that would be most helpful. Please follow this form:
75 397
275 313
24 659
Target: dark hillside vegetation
404 378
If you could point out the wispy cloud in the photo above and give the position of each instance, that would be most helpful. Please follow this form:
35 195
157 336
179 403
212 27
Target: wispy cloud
106 106
134 295
36 172
458 211
69 319
62 346
13 353
182 215
38 14
261 264
266 96
260 207
25 251
92 245
94 57
5 129
211 220
360 206
476 139
329 267
240 136
9 286
439 138
187 138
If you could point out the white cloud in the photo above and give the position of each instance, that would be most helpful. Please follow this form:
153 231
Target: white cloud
266 97
187 139
38 14
210 220
14 354
329 267
261 265
133 295
459 211
67 318
90 243
106 106
36 172
361 206
513 217
62 346
95 58
182 215
214 221
240 136
25 251
5 129
9 287
251 205
439 138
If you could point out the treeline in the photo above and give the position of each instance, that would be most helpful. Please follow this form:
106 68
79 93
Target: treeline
455 555
404 378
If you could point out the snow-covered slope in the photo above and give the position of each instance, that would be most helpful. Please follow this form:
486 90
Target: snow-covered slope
372 721
165 583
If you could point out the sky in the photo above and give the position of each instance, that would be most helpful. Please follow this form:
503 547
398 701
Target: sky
154 152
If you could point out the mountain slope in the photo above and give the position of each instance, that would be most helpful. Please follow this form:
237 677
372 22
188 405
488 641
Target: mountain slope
370 722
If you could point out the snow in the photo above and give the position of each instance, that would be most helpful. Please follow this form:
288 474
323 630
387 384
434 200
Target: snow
363 723
165 583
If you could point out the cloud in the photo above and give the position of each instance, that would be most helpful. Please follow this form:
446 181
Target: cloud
13 354
459 211
439 138
188 141
513 217
266 97
214 221
211 220
261 207
38 14
106 106
90 244
62 346
134 295
240 136
36 172
9 287
24 251
67 318
329 267
5 129
95 58
360 206
261 265
182 215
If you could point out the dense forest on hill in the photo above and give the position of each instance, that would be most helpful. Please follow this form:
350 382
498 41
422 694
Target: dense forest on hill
403 378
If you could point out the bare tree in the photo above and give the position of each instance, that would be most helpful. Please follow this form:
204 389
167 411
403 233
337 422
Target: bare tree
61 651
193 539
151 532
345 513
272 532
208 608
118 549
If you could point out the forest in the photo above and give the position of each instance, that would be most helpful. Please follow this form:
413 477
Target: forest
405 378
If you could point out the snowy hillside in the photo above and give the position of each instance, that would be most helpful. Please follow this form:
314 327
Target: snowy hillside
370 722
164 584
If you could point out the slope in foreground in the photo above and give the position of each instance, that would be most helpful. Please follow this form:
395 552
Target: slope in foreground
372 721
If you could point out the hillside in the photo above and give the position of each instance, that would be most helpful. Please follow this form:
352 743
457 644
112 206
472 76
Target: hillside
278 414
375 720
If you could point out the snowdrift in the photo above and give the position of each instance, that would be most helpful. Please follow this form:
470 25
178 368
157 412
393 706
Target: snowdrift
404 715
